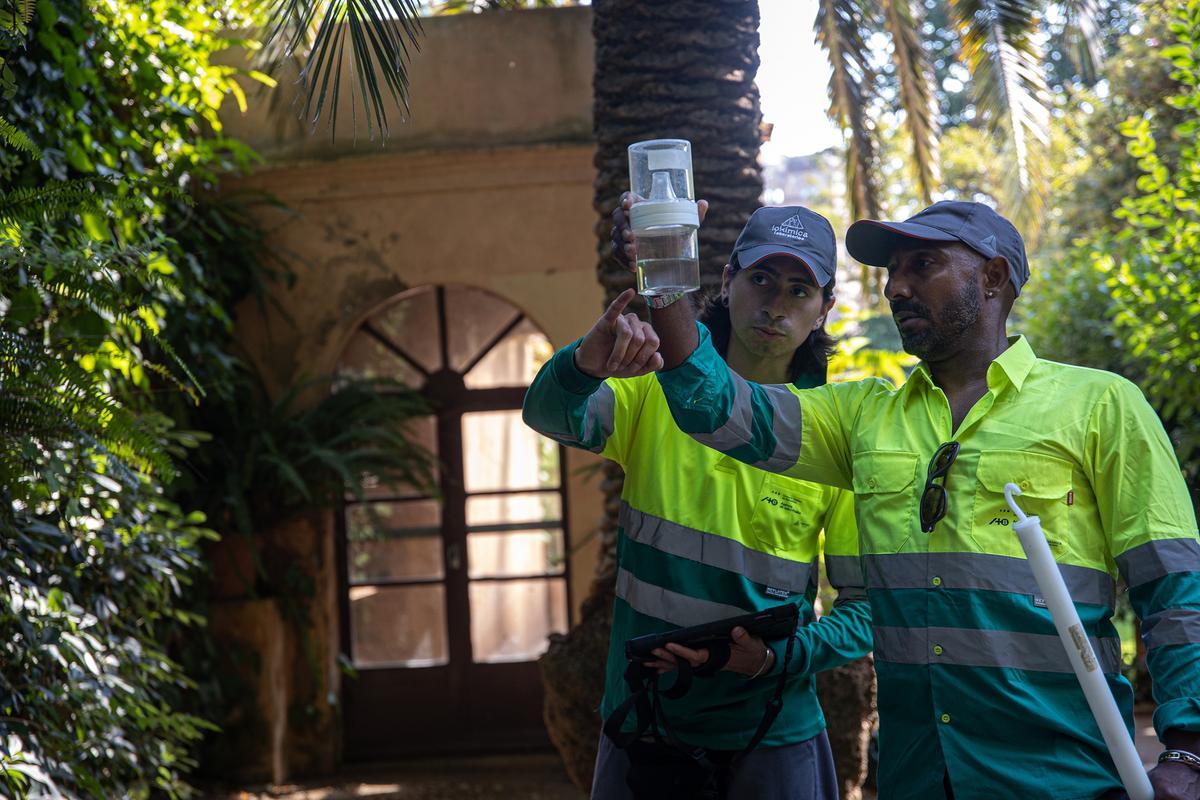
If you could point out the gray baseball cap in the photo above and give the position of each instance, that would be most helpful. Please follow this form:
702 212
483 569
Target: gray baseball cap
974 224
791 231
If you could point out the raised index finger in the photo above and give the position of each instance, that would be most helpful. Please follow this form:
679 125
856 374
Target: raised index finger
617 306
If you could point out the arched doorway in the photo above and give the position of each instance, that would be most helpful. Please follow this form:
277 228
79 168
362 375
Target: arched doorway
446 602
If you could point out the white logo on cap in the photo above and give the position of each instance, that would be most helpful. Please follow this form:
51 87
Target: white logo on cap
792 228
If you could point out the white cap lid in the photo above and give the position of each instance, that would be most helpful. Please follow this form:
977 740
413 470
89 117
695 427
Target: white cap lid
654 214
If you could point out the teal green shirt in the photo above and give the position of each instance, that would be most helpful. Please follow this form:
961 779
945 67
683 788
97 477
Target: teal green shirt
703 537
973 680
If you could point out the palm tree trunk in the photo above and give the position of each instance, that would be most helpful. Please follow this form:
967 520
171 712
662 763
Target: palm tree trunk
664 69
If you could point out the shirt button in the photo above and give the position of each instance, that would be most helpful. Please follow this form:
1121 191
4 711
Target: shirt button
871 482
936 581
937 650
946 718
1024 485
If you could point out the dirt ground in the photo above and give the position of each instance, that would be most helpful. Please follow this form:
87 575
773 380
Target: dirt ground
518 777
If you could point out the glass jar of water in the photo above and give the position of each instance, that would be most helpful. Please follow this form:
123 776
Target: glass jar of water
664 217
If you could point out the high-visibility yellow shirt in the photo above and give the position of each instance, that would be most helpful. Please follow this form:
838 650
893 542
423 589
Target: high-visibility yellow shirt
702 537
973 681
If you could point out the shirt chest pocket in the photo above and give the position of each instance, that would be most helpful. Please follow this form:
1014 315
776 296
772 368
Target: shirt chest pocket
787 517
883 498
1046 490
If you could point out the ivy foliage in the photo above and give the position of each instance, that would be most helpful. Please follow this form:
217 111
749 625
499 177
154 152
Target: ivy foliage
1155 277
109 126
1125 295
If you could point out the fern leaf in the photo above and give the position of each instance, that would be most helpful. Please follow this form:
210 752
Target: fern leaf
17 139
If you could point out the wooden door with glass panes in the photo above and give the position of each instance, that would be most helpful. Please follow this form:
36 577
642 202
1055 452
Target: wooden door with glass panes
448 600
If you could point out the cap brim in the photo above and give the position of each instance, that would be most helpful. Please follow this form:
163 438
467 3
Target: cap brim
872 242
756 255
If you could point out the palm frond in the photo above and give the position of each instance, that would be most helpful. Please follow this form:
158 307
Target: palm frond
1002 50
1085 43
839 28
378 34
915 77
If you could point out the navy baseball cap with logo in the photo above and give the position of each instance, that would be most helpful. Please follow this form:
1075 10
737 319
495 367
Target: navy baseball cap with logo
977 226
791 231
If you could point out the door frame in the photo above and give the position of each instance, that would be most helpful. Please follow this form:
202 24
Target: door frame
483 697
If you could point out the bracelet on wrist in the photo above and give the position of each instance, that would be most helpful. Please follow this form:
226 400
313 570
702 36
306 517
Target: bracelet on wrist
763 666
662 300
1181 757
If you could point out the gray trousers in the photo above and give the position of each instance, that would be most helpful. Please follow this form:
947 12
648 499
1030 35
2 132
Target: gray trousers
802 771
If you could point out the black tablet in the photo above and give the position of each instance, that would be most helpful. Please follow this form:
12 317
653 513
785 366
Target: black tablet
776 622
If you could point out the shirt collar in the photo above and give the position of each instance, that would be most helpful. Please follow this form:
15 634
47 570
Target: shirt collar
1013 365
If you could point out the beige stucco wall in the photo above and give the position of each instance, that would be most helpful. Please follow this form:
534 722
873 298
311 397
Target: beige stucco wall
478 80
514 221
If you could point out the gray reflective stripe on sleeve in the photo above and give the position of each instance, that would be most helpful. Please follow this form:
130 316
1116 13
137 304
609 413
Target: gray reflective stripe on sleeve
844 571
598 420
785 425
1152 560
849 594
982 571
1173 626
673 607
972 647
714 550
740 423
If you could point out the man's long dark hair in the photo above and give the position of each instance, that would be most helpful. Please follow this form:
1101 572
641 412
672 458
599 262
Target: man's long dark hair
810 362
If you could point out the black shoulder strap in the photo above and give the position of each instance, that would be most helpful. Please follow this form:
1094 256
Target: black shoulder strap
642 682
774 705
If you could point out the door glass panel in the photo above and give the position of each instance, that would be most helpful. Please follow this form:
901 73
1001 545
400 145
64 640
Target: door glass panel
514 361
499 555
422 432
479 318
368 358
500 452
412 325
398 626
501 509
394 541
510 620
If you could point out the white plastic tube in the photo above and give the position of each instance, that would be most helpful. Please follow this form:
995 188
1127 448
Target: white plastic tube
1079 651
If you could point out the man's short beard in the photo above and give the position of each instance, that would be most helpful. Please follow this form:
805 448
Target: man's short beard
941 335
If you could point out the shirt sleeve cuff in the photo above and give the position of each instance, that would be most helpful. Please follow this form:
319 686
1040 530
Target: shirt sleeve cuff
689 385
569 376
1182 713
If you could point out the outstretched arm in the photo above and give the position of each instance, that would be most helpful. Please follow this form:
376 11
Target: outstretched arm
570 400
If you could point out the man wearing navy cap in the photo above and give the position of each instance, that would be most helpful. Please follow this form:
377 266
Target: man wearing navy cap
977 698
702 538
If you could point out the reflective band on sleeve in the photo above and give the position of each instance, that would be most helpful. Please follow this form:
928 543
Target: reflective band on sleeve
598 422
1154 559
785 425
844 571
1173 626
738 425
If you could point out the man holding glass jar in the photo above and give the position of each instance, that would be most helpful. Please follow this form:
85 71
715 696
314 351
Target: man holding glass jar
703 537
